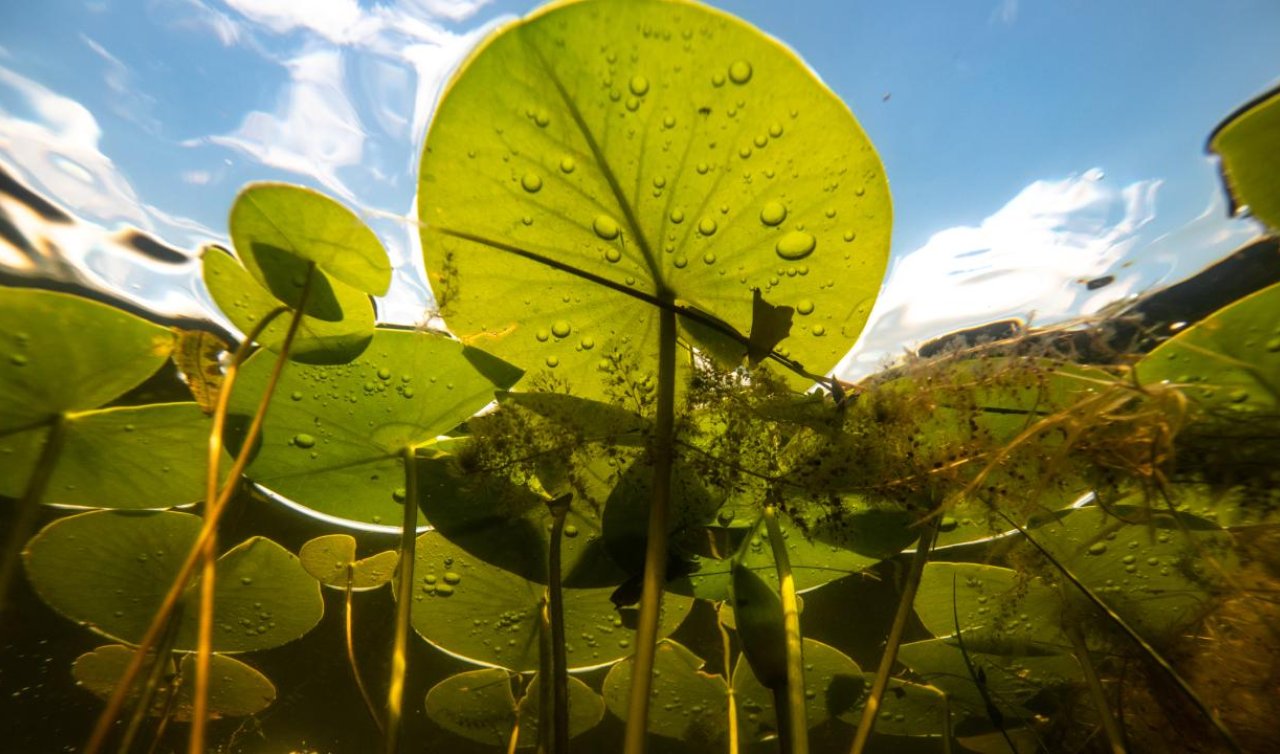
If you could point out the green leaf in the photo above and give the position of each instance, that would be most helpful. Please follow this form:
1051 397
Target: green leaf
1000 611
586 710
476 704
334 436
1160 575
1011 680
757 614
834 687
235 689
490 616
198 357
65 353
907 709
577 170
337 322
1248 143
110 570
685 702
1230 361
127 457
327 558
278 228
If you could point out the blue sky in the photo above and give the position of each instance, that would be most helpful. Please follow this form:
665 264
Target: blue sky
1029 144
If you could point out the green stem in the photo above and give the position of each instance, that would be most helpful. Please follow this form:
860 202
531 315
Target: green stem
545 694
655 555
730 697
555 613
29 505
870 712
1109 724
351 651
797 726
404 606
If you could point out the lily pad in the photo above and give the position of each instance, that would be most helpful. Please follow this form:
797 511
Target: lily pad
65 353
685 701
149 456
337 320
198 356
1248 143
907 709
586 710
479 705
328 558
834 687
1000 611
576 172
235 689
279 228
334 436
110 570
491 616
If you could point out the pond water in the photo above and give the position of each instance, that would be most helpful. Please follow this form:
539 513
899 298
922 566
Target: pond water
1047 163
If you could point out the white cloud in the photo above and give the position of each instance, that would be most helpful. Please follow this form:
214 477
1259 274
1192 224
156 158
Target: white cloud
454 10
1006 13
1029 260
313 131
339 21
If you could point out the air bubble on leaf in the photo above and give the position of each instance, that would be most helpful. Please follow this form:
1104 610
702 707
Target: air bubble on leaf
773 213
561 328
709 258
805 306
613 255
819 330
680 261
553 361
707 226
639 85
605 227
531 182
1097 548
567 164
543 335
303 440
740 72
796 244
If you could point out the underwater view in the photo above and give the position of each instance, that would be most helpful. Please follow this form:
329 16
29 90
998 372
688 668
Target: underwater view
639 376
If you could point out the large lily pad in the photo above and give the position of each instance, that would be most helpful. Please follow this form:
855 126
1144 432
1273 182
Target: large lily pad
479 705
110 570
603 154
334 436
331 560
834 687
235 689
65 353
490 616
1000 611
1248 143
685 702
127 457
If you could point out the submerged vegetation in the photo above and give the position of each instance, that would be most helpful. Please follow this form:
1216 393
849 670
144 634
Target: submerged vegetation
650 231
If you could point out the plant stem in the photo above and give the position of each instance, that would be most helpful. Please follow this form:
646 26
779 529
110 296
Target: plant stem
797 725
404 605
728 680
102 728
1109 724
655 554
869 713
543 678
29 505
555 613
351 652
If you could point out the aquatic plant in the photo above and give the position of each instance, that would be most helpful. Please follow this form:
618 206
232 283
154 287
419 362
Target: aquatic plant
651 230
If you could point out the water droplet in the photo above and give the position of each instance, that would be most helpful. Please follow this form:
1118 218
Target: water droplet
677 216
570 531
819 330
444 590
587 343
639 85
612 254
703 168
246 580
760 141
849 236
304 440
605 227
707 226
452 577
740 72
773 213
1273 345
805 306
18 359
717 79
542 335
561 328
709 258
744 151
669 122
680 261
567 164
531 182
398 494
542 118
775 129
1097 548
796 244
659 182
553 361
296 395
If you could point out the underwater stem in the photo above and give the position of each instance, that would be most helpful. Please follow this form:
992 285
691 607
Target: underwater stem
555 610
797 726
351 651
728 680
29 505
1109 724
655 554
213 511
404 604
870 712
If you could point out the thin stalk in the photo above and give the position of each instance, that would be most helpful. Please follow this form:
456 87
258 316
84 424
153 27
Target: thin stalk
794 710
946 724
1109 724
1136 638
870 712
157 671
515 731
404 605
351 652
545 694
655 555
102 728
555 615
730 697
29 505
